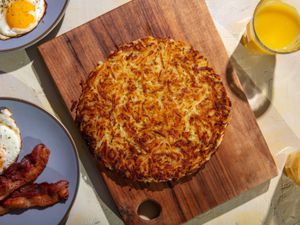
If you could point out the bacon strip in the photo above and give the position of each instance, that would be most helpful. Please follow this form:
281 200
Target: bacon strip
36 195
24 172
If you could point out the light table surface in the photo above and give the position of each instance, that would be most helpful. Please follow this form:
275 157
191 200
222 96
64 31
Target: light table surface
271 84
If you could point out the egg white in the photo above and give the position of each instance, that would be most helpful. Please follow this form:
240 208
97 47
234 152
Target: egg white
2 37
6 31
10 140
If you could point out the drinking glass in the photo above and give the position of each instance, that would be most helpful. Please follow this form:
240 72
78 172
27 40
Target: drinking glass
274 28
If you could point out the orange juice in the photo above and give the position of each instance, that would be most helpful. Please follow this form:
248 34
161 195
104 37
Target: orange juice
274 28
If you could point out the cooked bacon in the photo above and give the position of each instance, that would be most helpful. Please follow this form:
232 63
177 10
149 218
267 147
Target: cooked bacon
24 172
36 195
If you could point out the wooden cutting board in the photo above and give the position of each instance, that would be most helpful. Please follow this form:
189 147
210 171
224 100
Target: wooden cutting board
243 160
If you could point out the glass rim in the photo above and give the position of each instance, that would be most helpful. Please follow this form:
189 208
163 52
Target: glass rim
260 42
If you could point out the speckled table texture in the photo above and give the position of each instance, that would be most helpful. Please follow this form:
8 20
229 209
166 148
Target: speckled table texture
271 84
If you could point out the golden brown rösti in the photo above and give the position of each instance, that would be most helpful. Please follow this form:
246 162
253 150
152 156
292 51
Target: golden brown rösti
154 110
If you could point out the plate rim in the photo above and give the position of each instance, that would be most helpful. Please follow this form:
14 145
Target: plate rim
75 150
41 36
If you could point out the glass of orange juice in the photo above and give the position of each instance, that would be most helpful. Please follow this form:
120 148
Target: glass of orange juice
274 28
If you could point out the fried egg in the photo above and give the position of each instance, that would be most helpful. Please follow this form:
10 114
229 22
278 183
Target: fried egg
10 140
18 17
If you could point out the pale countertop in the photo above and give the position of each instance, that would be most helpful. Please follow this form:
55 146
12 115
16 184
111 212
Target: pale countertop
272 87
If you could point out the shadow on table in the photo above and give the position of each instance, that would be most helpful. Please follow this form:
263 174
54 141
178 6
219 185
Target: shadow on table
256 75
14 60
95 181
11 61
285 204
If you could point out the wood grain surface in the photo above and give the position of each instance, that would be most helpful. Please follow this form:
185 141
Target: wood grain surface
243 160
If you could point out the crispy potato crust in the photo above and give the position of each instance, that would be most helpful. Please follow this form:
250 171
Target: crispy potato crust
154 111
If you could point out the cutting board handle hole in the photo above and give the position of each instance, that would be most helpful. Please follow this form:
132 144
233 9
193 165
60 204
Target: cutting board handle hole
149 209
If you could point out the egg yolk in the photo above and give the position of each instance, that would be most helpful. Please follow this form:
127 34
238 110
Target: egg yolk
18 14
